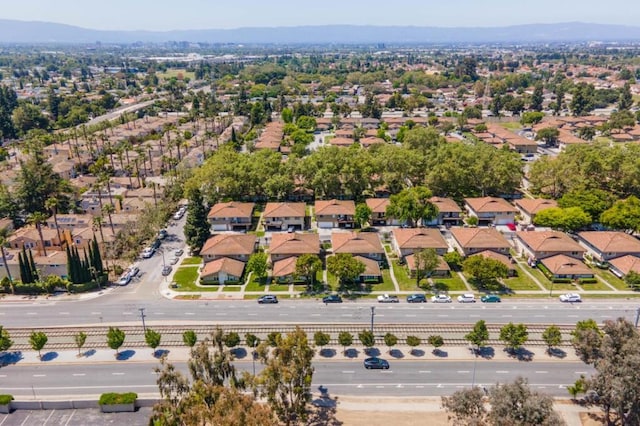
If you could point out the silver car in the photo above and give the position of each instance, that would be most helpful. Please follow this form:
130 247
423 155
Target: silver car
440 298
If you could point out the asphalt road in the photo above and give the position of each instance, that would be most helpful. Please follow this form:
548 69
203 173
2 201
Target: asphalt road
109 310
404 378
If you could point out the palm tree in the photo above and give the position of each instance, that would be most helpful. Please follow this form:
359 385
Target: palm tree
37 218
97 223
51 204
4 233
109 209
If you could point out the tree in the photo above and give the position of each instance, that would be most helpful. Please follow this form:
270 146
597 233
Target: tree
196 228
307 266
514 336
251 340
4 234
115 338
37 340
529 118
592 201
390 340
626 99
321 339
582 102
549 135
426 261
190 338
258 264
152 338
5 340
412 205
80 338
623 215
587 340
478 336
453 258
29 117
466 407
345 267
37 219
485 269
537 98
286 378
516 404
231 339
367 339
362 215
436 341
413 342
552 337
274 338
632 279
345 339
565 219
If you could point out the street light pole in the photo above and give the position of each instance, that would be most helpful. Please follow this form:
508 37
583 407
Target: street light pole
373 314
637 316
253 356
142 316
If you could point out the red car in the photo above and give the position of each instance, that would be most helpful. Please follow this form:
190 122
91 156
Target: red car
511 226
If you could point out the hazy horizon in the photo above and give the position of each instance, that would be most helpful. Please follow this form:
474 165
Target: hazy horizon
160 15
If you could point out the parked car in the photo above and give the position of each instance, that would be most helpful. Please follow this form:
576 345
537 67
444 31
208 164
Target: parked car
173 260
440 298
491 298
570 297
166 270
134 271
467 298
332 298
162 234
388 298
148 252
512 226
124 279
178 252
417 298
267 298
376 363
156 244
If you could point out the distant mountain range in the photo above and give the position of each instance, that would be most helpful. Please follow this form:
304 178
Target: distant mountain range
12 31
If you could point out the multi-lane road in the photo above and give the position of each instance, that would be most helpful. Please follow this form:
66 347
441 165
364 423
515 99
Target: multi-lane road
413 378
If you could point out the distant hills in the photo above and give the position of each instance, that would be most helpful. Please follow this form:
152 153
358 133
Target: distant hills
12 31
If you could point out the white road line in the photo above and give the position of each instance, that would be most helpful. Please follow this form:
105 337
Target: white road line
70 417
46 421
252 315
117 374
79 374
158 313
463 371
419 387
379 387
541 372
350 315
443 316
502 372
39 375
3 375
221 313
539 316
410 315
284 315
32 313
348 372
189 313
63 313
424 371
580 372
315 315
507 316
127 313
96 313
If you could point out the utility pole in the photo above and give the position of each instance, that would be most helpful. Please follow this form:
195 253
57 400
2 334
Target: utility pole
637 316
142 316
373 314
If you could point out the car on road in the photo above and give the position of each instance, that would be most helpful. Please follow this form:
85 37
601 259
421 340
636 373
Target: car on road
173 260
156 244
490 298
124 279
388 298
267 298
162 234
467 298
148 252
134 271
178 252
166 270
570 297
441 298
417 298
332 298
376 363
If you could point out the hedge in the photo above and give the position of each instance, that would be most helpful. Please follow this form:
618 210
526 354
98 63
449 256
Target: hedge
5 399
587 281
84 287
113 398
561 280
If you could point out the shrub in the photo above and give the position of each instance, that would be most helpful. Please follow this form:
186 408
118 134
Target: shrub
587 281
5 399
561 280
113 398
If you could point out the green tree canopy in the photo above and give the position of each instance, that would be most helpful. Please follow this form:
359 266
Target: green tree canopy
567 219
345 267
623 215
412 205
479 335
514 335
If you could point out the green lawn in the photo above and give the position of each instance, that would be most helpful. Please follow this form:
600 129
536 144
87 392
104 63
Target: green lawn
232 288
278 287
557 287
599 286
454 283
538 274
387 248
612 279
386 284
186 278
196 260
332 281
512 125
405 282
521 282
255 284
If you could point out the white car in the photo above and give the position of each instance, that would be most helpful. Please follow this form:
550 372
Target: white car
570 297
467 298
174 260
124 279
440 298
148 252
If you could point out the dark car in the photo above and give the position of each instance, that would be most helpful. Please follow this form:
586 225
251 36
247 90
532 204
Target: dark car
491 298
374 363
332 298
417 298
166 270
156 244
267 298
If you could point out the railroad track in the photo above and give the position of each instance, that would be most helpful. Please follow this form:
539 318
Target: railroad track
453 334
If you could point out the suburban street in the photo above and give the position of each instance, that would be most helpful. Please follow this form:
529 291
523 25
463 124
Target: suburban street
414 378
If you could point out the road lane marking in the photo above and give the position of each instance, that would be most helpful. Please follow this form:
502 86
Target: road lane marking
419 387
411 315
252 314
580 372
463 371
96 313
424 371
189 313
158 313
117 374
39 375
507 316
32 313
3 375
348 372
315 315
79 374
127 313
379 387
63 313
541 372
284 315
502 372
221 313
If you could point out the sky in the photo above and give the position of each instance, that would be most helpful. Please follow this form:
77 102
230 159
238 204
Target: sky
164 15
